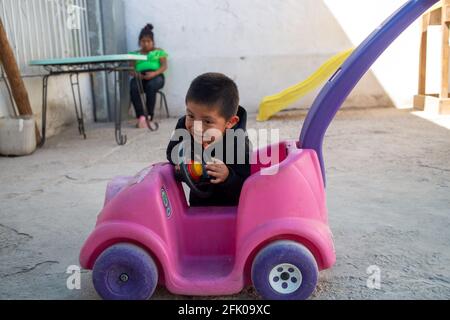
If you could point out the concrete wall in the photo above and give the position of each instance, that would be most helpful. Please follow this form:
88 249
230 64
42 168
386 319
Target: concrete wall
397 69
264 45
268 45
5 105
61 110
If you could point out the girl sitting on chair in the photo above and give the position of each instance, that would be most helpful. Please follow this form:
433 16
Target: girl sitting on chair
151 71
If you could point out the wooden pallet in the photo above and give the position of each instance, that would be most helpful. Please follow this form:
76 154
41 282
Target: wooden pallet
435 103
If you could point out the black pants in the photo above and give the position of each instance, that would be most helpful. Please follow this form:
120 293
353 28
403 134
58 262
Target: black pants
151 87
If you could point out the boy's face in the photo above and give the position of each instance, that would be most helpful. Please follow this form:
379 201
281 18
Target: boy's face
206 124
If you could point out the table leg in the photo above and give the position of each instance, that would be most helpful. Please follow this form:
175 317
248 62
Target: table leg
44 109
78 107
120 138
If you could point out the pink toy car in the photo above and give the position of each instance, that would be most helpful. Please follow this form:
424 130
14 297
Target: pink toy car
277 239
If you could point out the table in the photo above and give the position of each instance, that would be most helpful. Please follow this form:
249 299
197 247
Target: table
74 67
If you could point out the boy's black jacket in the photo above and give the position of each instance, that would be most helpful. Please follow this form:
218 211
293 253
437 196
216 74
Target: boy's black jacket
227 193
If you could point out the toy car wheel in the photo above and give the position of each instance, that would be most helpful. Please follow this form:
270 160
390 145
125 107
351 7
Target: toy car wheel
285 270
125 272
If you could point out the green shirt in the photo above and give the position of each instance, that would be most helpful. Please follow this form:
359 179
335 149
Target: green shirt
153 61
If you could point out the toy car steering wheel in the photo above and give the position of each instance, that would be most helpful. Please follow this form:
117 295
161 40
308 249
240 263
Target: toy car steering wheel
195 176
199 186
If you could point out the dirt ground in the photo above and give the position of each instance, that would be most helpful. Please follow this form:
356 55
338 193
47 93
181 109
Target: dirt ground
388 197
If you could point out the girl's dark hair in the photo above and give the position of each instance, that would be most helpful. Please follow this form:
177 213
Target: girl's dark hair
147 31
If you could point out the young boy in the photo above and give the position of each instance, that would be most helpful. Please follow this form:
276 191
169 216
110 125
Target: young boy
215 122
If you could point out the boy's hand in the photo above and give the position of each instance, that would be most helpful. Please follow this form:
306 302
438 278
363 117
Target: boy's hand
218 171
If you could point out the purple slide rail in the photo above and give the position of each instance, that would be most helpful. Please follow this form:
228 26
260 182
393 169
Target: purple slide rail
337 89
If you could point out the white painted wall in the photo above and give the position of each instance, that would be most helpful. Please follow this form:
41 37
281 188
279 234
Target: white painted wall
61 110
268 45
397 69
265 45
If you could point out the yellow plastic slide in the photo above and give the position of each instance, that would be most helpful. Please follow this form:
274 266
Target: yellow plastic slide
276 103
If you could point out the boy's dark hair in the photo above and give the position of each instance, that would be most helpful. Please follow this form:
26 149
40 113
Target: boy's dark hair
147 31
215 89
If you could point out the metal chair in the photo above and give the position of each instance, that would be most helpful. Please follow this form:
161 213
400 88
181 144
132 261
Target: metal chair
163 102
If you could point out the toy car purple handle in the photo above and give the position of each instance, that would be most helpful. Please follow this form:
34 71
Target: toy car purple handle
336 90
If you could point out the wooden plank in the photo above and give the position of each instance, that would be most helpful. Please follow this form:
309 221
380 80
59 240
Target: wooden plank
419 102
444 58
446 11
444 107
435 17
423 58
432 104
